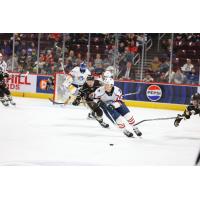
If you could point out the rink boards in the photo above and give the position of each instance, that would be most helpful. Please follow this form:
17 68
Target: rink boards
149 95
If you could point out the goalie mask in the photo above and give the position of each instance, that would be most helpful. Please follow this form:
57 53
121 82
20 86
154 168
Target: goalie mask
83 67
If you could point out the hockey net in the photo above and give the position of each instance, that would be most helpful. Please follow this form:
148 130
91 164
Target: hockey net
61 92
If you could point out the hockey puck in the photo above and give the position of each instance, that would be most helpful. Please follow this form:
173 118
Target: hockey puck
111 144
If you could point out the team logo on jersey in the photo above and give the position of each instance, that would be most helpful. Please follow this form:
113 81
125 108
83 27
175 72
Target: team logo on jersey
154 93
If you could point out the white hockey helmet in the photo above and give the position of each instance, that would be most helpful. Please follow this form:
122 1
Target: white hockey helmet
107 74
109 81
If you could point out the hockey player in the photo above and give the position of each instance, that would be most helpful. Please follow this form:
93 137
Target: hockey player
192 109
3 64
86 92
5 95
79 75
110 98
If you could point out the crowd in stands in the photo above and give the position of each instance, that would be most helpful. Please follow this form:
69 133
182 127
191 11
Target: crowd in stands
102 51
185 63
102 54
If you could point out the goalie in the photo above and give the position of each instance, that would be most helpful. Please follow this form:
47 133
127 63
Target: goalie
192 109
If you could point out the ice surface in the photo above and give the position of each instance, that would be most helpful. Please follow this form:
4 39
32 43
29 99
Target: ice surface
37 133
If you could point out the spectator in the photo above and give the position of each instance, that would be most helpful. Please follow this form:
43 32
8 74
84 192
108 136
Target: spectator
98 61
68 65
133 48
6 47
162 78
188 66
127 73
22 58
90 66
121 47
178 77
20 68
34 55
164 66
193 77
106 62
29 63
41 65
155 65
78 59
148 78
15 63
127 56
72 57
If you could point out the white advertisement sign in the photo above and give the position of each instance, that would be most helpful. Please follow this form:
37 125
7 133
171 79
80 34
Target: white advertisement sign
21 83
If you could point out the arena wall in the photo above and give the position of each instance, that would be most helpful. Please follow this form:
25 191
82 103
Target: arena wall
149 95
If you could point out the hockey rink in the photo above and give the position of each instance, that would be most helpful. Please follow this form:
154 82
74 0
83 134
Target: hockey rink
35 132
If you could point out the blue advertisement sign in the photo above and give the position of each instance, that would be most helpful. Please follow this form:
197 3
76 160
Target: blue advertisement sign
41 85
163 93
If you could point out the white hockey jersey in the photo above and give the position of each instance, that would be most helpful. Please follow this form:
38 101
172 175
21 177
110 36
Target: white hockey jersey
3 65
108 98
78 77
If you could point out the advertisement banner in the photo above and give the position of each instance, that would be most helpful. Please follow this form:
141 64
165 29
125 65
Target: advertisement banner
41 85
21 83
163 93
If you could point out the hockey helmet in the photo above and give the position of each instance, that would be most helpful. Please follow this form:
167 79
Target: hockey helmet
82 67
109 81
107 74
196 97
90 78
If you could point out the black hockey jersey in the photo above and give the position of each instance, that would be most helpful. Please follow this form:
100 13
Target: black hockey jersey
85 91
2 78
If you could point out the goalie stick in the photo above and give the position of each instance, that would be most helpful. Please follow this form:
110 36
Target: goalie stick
58 103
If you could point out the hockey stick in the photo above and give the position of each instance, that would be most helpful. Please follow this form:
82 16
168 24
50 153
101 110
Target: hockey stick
197 159
155 119
134 93
58 103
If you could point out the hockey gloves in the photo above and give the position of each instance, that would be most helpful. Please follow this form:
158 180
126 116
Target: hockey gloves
178 120
76 102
